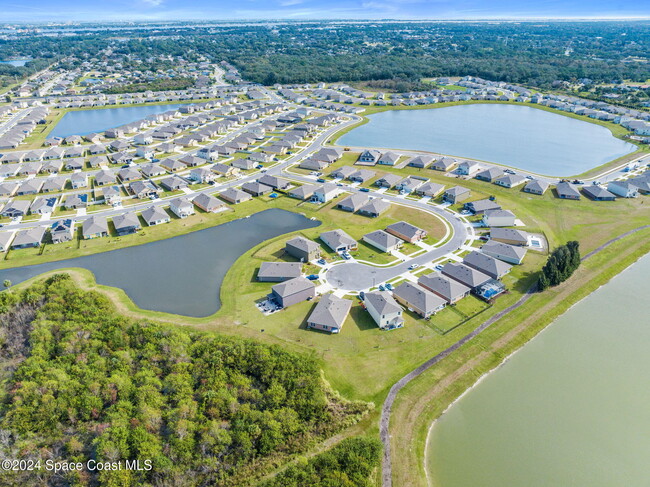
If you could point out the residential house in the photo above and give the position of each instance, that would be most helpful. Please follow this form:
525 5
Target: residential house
256 189
338 240
43 206
624 189
243 164
468 168
224 170
112 195
182 207
28 237
5 240
479 207
16 208
382 240
421 161
567 191
79 180
62 231
409 184
509 236
370 156
208 203
329 314
151 170
406 231
94 227
235 196
388 158
536 186
274 182
430 189
490 174
303 249
444 164
313 165
499 218
144 189
464 274
383 309
597 193
486 264
418 299
201 175
508 253
510 180
126 223
362 176
33 186
293 291
353 202
325 193
388 180
129 174
278 271
155 215
448 289
173 183
303 192
75 201
374 207
343 172
172 165
456 194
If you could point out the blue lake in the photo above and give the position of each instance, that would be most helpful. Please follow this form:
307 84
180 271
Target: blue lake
181 275
16 62
82 122
519 136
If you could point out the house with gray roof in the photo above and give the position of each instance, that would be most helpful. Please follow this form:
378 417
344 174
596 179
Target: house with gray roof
104 177
567 191
33 186
362 175
28 237
155 215
418 299
343 172
624 189
126 223
388 180
43 205
5 240
94 227
79 180
465 275
536 186
410 184
486 264
448 289
510 236
499 218
456 194
182 207
278 271
172 165
329 314
75 201
422 161
152 169
490 174
16 208
256 188
479 207
173 183
508 253
325 193
8 188
353 202
642 182
293 291
383 309
510 180
430 189
382 240
406 231
274 182
313 165
129 174
389 158
235 196
208 203
444 164
144 189
374 207
303 192
338 240
62 231
370 156
302 248
597 193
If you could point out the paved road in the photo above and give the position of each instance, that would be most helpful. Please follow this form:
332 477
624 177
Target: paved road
356 276
384 422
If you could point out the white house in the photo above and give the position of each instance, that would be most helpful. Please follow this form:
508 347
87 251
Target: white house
383 309
182 207
624 189
499 218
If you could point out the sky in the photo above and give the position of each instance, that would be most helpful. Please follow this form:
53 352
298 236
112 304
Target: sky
159 10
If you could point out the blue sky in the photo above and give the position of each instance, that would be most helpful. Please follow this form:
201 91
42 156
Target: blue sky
124 10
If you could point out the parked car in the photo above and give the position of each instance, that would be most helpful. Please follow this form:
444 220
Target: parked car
389 286
259 166
320 180
414 266
312 277
381 287
365 190
322 261
362 295
438 267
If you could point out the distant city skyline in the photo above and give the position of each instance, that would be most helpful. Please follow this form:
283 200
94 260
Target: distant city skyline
168 10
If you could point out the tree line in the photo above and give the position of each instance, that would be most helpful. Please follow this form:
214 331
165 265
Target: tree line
560 265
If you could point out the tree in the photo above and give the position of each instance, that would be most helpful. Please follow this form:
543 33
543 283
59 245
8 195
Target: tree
7 283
